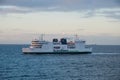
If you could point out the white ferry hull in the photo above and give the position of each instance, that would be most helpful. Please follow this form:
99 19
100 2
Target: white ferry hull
39 51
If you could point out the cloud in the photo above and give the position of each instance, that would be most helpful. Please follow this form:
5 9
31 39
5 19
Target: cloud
106 12
13 9
89 7
68 4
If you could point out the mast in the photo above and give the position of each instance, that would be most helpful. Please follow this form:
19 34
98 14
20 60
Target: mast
41 38
76 37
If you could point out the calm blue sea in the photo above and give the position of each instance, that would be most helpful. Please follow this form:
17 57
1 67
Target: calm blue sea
102 64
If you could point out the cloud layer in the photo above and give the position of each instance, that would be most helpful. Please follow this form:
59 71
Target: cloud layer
63 4
107 8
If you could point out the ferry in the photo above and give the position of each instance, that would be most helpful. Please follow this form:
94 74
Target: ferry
58 46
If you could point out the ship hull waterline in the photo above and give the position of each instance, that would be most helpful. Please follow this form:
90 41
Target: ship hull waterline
57 52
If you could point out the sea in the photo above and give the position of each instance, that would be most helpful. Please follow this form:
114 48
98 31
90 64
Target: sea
102 64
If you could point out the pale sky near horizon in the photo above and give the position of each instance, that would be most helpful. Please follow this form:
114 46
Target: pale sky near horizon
96 21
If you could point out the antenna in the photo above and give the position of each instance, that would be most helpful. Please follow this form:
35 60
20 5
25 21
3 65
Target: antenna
42 37
76 37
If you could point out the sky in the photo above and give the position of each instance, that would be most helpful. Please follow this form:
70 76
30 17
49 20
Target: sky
96 21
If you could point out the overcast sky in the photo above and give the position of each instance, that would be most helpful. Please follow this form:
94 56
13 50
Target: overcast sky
96 21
